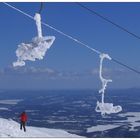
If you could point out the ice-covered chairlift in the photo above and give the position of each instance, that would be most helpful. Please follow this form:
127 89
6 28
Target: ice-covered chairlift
102 107
36 49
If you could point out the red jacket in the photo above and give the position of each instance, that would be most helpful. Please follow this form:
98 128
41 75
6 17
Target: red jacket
23 117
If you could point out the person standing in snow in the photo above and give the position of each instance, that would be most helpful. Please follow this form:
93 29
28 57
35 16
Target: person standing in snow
23 119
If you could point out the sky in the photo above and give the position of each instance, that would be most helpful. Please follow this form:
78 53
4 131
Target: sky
68 65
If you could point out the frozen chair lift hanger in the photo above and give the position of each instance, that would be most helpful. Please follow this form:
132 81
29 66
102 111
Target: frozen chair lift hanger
36 49
105 108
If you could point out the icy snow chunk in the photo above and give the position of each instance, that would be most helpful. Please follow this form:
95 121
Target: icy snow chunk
107 108
36 49
19 63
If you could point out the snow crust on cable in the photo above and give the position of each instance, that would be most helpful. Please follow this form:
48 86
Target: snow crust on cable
105 108
36 49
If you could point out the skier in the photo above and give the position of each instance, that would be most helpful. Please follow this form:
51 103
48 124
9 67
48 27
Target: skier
23 119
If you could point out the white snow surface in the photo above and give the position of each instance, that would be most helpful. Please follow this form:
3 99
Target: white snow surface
10 102
10 128
132 122
4 108
133 118
101 128
36 49
105 108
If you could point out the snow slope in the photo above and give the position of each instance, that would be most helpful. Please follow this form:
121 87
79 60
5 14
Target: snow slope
10 128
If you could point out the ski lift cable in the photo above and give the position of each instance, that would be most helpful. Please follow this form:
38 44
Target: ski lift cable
72 38
49 26
108 20
128 67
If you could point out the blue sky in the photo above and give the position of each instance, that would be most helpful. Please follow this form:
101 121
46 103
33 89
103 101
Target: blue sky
67 64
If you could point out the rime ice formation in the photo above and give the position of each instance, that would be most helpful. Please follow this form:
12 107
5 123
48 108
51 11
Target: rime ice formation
37 18
36 49
103 80
105 108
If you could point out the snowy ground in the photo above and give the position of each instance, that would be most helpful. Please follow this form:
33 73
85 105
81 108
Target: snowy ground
10 128
132 118
10 102
101 128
